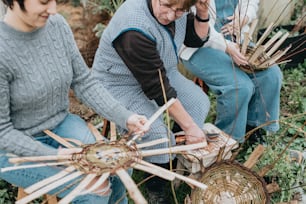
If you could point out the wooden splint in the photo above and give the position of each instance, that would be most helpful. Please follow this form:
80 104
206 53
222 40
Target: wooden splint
217 140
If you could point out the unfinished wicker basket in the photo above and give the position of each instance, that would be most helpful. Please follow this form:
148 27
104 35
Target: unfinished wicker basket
262 55
231 183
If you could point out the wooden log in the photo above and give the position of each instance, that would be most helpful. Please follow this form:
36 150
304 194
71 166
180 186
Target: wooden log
254 157
77 190
49 180
130 185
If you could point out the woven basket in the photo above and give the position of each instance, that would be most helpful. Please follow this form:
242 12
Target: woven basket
255 66
231 183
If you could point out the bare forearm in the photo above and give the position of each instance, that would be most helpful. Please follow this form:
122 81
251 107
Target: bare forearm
193 133
201 25
180 115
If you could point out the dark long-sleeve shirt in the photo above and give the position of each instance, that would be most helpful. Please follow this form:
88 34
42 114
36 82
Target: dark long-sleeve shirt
140 55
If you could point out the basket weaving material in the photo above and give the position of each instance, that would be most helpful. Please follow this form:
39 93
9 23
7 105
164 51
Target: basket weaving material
256 65
231 183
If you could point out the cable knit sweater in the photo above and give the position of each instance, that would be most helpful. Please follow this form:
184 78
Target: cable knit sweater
37 69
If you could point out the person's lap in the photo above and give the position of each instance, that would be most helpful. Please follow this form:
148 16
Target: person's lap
75 128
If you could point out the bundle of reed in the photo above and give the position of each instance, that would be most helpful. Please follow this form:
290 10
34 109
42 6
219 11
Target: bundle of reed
264 53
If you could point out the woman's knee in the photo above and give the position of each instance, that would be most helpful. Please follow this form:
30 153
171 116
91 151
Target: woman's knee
74 127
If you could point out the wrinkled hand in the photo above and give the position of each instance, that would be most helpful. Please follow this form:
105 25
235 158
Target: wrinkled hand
195 135
136 124
233 50
234 26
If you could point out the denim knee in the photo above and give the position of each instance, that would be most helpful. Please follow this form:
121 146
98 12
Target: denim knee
245 91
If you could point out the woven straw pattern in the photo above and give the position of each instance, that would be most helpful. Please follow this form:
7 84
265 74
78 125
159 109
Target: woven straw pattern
257 64
231 183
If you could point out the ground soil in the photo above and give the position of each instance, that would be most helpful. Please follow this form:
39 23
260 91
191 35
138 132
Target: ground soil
82 20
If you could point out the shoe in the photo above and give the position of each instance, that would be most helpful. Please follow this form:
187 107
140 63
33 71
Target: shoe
257 137
158 189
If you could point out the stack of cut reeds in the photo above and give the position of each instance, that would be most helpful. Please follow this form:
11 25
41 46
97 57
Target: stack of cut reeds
264 53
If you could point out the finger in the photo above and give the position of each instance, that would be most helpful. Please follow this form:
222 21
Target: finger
230 17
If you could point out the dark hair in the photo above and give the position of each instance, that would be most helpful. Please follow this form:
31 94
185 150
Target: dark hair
10 4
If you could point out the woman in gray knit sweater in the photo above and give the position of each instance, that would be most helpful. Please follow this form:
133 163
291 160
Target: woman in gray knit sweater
39 63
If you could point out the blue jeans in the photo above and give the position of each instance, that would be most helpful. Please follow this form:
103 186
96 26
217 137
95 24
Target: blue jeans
242 99
72 127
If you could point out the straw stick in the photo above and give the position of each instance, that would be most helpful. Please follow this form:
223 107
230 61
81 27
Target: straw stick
48 188
252 28
275 57
178 176
98 183
265 35
132 188
39 158
175 149
273 39
155 171
152 119
254 157
12 168
75 141
49 180
245 43
77 190
113 133
151 143
59 139
159 112
254 56
277 44
95 132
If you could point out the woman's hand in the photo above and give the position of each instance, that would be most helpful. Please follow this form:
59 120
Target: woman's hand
195 135
233 50
136 124
234 26
202 8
